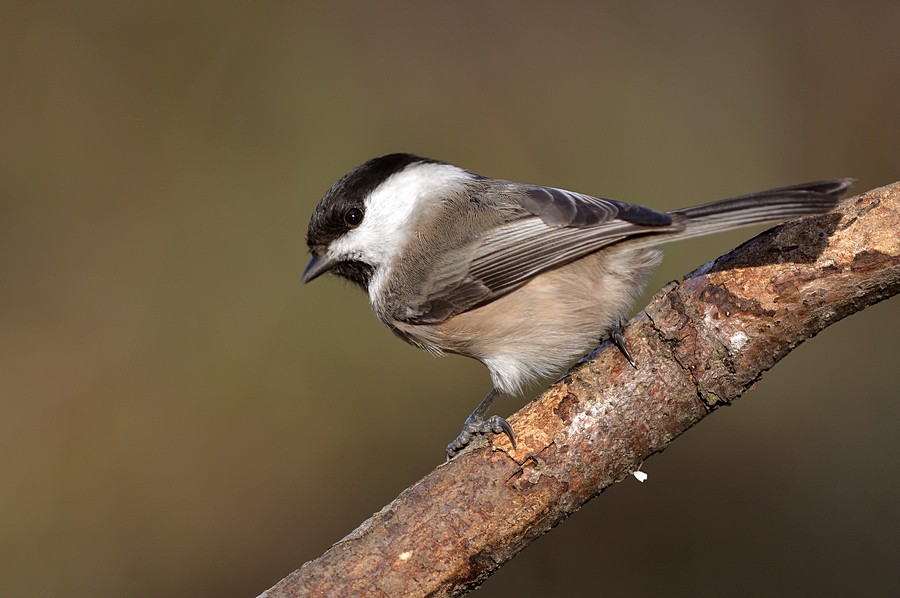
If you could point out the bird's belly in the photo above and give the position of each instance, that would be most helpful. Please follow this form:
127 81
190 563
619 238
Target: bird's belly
536 330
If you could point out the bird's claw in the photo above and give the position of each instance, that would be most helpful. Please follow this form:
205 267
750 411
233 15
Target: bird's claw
474 426
618 339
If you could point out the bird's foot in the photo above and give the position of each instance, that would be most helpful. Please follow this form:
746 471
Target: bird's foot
618 339
477 425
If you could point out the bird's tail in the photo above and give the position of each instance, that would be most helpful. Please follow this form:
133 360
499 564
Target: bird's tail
774 205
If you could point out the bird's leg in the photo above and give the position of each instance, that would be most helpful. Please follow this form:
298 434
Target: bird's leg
618 339
476 424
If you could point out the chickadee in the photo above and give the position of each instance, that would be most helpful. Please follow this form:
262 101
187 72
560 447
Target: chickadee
521 277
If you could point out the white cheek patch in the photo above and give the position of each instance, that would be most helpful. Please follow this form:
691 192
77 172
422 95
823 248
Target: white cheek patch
392 212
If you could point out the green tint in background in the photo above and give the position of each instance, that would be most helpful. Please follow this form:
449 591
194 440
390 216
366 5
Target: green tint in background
181 417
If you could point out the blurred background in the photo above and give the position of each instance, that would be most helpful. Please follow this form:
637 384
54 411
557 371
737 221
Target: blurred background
181 417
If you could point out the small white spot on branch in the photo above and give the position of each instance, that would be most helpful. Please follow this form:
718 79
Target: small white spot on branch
586 419
738 340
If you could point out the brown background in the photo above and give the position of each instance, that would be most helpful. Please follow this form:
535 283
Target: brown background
181 417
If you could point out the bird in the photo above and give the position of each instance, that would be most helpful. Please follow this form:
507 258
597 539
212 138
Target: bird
524 278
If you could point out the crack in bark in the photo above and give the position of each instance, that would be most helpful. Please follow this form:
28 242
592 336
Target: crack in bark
672 343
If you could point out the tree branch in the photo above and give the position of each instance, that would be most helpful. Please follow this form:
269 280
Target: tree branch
699 344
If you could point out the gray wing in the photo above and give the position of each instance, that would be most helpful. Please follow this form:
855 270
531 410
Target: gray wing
557 207
556 227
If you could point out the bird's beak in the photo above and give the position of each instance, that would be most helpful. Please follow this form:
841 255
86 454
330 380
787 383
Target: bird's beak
317 266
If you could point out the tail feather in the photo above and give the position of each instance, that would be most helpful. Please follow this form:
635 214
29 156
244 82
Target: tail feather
774 205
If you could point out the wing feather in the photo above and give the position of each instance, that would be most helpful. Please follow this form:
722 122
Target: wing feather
555 228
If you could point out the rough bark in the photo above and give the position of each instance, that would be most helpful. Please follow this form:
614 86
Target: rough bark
699 344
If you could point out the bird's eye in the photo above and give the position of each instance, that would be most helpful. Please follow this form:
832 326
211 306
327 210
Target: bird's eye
353 216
